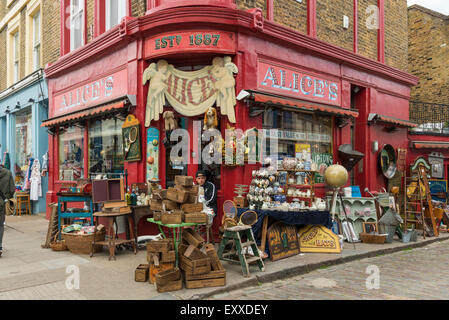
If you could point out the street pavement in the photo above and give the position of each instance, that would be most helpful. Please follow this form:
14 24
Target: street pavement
30 272
419 273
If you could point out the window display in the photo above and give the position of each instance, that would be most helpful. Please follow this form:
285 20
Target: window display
106 146
23 144
71 154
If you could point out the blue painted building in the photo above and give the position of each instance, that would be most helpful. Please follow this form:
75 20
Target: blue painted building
23 107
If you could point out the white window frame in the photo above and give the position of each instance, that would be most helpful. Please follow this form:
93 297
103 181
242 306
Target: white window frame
121 13
37 41
73 16
16 56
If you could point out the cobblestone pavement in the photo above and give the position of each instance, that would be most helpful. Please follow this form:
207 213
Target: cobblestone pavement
419 273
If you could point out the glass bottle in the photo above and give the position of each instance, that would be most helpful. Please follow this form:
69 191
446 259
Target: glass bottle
133 197
128 197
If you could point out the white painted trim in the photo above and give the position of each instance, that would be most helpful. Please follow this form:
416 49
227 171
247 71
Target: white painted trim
13 11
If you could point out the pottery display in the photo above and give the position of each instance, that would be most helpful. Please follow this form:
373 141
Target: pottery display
289 163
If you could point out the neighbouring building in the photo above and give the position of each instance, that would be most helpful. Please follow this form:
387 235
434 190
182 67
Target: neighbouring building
29 38
324 73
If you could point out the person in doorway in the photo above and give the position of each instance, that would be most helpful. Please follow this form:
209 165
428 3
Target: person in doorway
7 190
207 190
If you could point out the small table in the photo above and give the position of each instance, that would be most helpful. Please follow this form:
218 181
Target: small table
138 213
23 198
62 207
112 242
176 230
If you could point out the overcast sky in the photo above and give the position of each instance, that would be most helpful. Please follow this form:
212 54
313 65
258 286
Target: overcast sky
441 6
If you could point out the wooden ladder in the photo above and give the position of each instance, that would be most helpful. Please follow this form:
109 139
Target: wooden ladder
234 235
415 205
422 174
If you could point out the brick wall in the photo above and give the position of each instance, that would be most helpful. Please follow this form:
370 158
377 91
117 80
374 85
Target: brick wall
138 8
428 54
396 31
51 31
367 37
3 60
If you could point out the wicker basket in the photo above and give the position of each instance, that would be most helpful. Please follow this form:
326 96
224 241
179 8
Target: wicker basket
58 245
82 243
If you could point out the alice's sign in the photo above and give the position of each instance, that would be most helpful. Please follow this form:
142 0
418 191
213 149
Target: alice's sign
191 93
93 93
296 83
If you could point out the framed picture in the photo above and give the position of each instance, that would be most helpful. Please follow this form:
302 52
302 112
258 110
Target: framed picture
370 227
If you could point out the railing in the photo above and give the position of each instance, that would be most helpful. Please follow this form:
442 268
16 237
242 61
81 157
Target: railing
430 117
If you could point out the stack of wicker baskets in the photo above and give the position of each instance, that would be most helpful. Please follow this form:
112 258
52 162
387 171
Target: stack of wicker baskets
82 243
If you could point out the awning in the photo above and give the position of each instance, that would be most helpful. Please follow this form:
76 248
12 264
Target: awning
262 98
430 145
374 117
96 111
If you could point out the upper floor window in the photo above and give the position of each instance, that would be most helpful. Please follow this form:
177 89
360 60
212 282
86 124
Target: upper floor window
15 56
115 11
76 24
36 41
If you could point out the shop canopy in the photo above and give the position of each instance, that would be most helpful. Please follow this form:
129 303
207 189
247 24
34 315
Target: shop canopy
430 145
374 118
85 114
301 105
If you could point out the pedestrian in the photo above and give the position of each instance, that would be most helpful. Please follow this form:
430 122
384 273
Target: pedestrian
7 190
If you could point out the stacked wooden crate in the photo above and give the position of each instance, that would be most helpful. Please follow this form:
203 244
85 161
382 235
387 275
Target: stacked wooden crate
169 280
161 256
199 262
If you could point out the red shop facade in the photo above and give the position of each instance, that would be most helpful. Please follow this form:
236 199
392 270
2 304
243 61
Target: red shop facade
311 91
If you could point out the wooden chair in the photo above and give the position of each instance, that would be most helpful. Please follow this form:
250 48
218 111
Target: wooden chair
23 199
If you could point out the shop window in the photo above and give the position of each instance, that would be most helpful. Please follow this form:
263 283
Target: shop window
115 11
23 144
106 146
71 154
76 24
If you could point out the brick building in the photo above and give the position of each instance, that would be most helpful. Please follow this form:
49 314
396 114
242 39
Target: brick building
429 102
29 39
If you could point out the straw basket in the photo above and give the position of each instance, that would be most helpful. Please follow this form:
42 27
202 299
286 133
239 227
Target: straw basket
82 243
58 245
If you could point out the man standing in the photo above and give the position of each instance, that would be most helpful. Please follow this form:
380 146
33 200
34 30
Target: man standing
7 190
208 190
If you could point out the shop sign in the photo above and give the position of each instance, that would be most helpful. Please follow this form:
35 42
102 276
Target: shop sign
93 93
282 241
188 41
318 239
299 84
297 136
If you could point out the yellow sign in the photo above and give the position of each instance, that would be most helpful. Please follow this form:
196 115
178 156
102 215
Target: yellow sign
300 147
318 239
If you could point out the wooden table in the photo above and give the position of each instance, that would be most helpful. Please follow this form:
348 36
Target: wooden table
112 240
138 213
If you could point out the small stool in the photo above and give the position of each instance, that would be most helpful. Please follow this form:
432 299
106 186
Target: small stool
23 199
234 234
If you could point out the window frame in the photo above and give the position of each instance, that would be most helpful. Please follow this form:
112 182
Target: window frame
122 12
16 56
81 14
37 47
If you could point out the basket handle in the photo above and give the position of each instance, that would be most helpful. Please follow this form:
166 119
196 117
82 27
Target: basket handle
56 235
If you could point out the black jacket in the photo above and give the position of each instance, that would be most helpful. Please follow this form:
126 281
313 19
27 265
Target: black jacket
7 187
210 195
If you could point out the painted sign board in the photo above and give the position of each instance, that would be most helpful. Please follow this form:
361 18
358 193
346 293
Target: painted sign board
153 141
190 41
131 139
101 90
282 241
437 187
297 83
318 239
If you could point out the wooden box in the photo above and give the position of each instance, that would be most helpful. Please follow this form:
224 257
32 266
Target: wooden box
163 245
108 190
197 217
170 286
211 279
169 256
159 194
172 217
373 238
164 277
141 273
192 207
183 181
177 195
156 205
213 256
157 215
198 266
192 237
154 258
170 205
241 202
191 252
192 198
154 270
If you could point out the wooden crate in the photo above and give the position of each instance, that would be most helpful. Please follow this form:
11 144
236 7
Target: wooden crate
213 256
170 205
159 194
373 238
211 279
192 197
192 237
163 245
154 258
154 270
164 277
197 217
177 195
157 215
191 252
183 181
192 207
171 217
156 205
170 286
141 273
199 266
169 256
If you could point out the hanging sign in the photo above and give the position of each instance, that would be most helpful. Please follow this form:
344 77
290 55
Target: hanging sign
294 82
195 40
318 239
153 142
191 93
131 139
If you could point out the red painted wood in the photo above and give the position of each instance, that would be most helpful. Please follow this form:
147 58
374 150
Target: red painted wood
270 10
65 27
154 5
99 17
381 32
311 18
356 26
